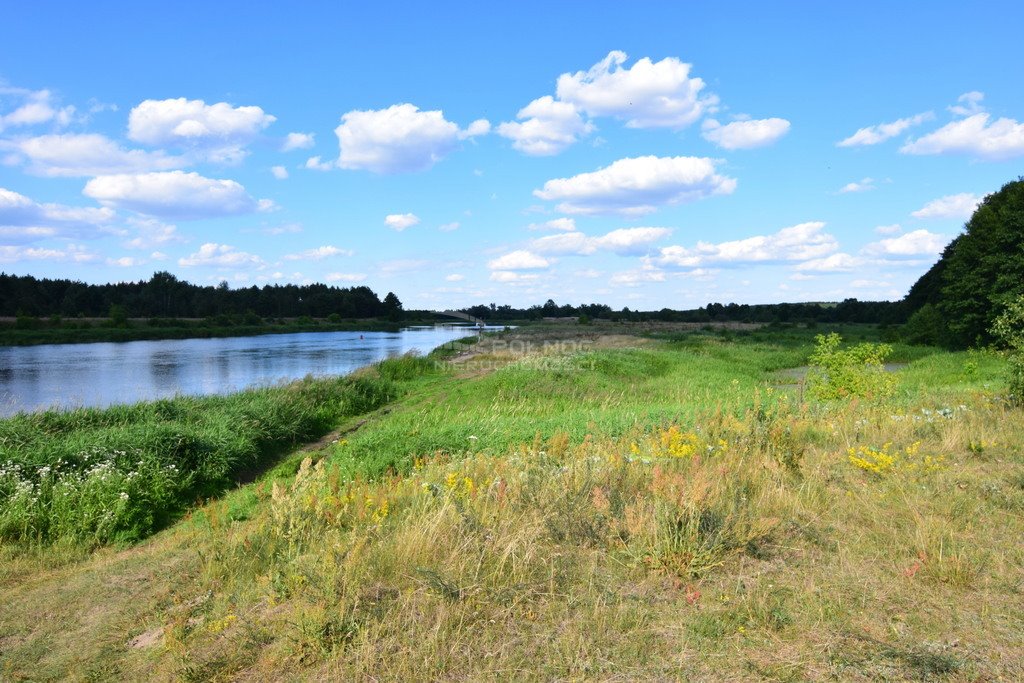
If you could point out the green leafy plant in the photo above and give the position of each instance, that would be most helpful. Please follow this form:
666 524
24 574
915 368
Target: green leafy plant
858 371
1008 328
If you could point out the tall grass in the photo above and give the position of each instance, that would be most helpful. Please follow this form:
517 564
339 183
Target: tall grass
118 474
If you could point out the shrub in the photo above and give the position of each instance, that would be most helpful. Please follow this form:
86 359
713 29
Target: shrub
858 371
1008 328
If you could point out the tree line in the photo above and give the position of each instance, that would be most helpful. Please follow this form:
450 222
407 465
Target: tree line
165 296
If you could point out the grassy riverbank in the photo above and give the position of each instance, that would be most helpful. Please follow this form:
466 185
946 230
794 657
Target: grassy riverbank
567 505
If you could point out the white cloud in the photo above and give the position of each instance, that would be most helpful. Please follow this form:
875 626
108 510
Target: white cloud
125 262
73 253
23 220
893 229
36 107
975 136
635 278
286 229
401 221
345 277
217 132
795 243
836 263
636 186
298 141
399 139
869 284
449 227
90 154
565 224
173 195
454 277
968 104
951 206
646 95
221 255
546 127
865 185
280 172
509 277
624 241
746 134
915 243
150 233
872 135
316 164
318 254
518 260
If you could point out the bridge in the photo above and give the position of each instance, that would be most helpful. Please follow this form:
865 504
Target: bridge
463 316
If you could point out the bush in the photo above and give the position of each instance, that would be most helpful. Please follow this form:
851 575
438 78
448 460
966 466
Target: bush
1008 328
858 371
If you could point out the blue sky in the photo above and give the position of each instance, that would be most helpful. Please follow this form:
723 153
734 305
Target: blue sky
642 155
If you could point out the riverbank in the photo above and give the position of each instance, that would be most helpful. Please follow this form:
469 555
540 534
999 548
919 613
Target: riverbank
86 331
590 506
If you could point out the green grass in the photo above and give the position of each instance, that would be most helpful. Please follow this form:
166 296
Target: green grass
120 473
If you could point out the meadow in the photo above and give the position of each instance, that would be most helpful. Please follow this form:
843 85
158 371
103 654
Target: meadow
555 503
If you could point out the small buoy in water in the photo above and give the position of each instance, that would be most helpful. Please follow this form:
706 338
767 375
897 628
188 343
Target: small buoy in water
360 336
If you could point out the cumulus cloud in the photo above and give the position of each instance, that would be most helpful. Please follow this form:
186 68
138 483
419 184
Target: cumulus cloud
564 224
624 241
125 262
645 95
635 278
454 277
545 127
175 194
863 185
317 164
915 243
746 134
401 221
968 104
977 136
449 227
24 220
951 206
836 263
888 229
150 232
217 132
637 186
318 254
872 135
90 154
399 139
72 253
345 277
221 255
519 260
795 243
280 172
36 107
297 141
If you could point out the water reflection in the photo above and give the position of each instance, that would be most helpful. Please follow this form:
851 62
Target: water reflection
70 375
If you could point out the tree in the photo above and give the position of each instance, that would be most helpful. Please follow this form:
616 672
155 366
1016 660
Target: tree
392 306
979 273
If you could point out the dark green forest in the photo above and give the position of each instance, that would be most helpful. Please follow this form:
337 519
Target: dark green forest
956 302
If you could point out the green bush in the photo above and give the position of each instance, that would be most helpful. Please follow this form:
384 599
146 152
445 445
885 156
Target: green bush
857 371
1008 328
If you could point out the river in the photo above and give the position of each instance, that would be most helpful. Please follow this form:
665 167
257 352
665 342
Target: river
72 375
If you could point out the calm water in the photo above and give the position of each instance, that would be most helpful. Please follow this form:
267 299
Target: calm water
71 375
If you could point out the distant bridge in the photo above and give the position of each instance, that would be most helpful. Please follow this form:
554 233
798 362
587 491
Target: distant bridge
463 316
